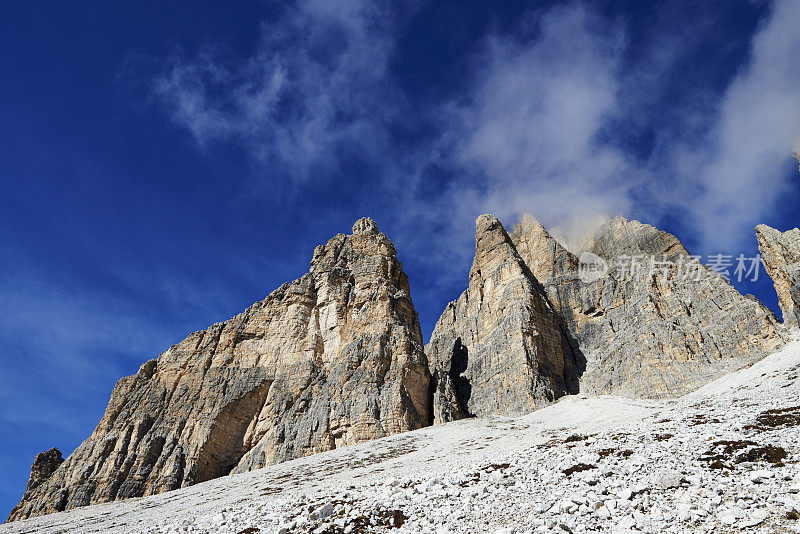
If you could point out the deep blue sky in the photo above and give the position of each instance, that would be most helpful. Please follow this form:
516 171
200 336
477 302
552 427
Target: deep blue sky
164 165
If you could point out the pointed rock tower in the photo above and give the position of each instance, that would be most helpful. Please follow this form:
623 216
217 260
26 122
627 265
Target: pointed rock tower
498 349
781 254
330 359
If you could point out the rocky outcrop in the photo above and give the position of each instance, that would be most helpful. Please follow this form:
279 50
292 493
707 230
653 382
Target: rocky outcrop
43 466
498 349
542 253
330 359
780 252
647 331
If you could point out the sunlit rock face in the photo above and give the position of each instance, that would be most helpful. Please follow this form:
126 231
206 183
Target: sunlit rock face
657 334
781 254
333 358
499 348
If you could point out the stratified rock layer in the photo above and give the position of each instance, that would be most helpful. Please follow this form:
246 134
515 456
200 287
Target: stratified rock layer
330 359
498 349
655 333
780 252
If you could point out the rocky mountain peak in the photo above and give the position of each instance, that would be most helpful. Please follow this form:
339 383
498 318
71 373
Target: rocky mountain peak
648 334
330 359
543 254
780 252
43 466
365 225
621 237
492 246
499 348
335 357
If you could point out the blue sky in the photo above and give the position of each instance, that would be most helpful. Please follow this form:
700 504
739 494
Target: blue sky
164 165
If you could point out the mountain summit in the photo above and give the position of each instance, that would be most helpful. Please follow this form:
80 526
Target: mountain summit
333 358
336 357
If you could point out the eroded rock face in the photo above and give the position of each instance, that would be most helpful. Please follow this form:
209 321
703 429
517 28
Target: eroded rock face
654 335
498 349
780 252
330 359
43 466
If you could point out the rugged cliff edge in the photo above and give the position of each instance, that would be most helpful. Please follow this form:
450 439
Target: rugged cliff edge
336 357
652 333
331 359
781 254
500 348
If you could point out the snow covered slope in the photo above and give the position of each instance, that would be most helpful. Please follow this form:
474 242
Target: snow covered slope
719 459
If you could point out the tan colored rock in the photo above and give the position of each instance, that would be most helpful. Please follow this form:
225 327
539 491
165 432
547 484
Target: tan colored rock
656 335
543 254
780 252
330 359
498 349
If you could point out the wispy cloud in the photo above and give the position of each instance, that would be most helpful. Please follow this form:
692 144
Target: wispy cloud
742 169
538 128
529 128
316 86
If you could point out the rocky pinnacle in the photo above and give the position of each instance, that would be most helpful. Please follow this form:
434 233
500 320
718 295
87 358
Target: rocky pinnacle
780 252
653 335
499 348
336 357
331 359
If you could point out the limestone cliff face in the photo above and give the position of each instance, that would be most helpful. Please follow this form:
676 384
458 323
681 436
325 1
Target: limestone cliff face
331 359
498 349
658 334
780 252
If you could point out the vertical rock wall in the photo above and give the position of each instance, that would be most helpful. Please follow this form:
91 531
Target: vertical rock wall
657 334
500 348
780 252
331 359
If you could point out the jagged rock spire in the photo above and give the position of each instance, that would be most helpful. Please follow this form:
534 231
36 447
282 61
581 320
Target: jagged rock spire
542 253
781 254
498 349
655 334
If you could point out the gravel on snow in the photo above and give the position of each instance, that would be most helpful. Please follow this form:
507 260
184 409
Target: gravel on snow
720 459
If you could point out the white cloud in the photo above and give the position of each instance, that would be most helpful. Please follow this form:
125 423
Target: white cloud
532 121
530 126
529 134
742 171
316 82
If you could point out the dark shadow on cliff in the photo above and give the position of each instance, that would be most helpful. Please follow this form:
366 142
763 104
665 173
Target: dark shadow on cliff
461 384
573 372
